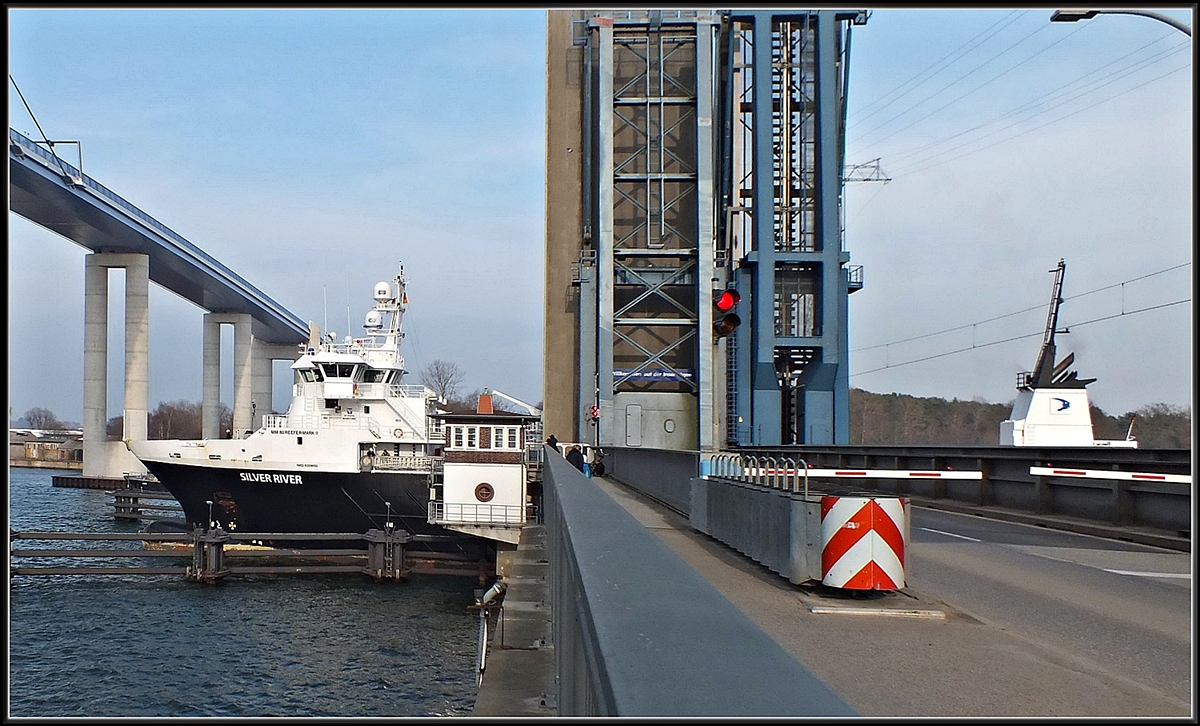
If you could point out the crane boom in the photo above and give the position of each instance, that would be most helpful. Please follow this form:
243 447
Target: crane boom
530 409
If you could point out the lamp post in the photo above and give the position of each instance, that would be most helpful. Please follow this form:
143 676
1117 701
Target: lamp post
1071 16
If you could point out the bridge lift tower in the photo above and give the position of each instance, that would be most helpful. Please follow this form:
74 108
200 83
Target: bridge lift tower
677 318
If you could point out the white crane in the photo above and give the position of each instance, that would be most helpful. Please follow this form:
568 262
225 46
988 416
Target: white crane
529 409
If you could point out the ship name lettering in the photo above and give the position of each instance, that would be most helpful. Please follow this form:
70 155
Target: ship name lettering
265 478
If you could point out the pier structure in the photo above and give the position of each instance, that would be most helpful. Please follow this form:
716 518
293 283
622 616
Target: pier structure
696 275
52 193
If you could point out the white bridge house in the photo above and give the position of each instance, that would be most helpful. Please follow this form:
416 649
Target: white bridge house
482 485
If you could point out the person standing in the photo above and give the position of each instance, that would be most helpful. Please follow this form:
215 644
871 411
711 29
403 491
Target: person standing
553 441
575 457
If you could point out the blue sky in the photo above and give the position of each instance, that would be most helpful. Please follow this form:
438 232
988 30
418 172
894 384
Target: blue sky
312 150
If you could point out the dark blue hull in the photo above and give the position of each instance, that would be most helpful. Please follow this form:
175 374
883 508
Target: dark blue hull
276 502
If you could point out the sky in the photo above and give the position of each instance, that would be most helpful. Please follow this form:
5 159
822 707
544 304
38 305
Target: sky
311 151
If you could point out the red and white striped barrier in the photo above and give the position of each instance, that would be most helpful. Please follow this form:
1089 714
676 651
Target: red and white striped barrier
863 541
1102 474
871 473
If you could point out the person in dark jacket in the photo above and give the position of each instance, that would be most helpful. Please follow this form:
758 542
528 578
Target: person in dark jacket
575 456
553 441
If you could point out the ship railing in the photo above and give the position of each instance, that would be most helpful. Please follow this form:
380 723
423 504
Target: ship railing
407 391
454 513
403 462
338 421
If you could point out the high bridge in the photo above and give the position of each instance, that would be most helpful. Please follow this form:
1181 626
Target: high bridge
50 192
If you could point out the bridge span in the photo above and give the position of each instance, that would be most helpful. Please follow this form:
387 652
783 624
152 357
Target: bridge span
627 602
54 194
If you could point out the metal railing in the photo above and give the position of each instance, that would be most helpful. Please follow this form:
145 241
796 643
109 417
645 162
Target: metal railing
470 513
403 462
78 178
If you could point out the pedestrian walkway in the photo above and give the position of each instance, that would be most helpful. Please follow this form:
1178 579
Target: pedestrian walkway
888 654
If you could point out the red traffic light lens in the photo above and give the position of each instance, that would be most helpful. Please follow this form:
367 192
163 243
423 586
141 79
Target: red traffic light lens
726 299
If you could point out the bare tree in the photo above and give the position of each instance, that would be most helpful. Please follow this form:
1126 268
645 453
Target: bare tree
443 378
43 418
175 420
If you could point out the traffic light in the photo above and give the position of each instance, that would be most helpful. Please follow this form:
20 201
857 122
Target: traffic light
725 321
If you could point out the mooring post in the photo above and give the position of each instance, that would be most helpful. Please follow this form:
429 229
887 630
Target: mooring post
385 554
208 555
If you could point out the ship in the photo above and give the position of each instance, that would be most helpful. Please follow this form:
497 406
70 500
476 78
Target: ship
356 450
1052 406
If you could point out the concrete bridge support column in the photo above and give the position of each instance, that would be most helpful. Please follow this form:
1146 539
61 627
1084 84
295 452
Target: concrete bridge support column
242 372
263 385
210 407
95 353
103 458
137 346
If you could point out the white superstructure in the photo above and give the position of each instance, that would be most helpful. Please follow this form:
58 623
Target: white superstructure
1052 406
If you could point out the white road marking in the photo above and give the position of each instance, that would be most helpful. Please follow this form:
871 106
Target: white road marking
950 534
1174 575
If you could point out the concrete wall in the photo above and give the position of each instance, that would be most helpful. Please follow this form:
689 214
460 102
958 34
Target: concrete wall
564 221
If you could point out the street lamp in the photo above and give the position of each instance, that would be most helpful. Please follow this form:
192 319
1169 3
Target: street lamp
1071 16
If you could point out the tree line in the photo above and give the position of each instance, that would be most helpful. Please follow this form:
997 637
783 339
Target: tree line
876 419
896 419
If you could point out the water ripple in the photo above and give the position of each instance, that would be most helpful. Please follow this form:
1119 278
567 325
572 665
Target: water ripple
291 646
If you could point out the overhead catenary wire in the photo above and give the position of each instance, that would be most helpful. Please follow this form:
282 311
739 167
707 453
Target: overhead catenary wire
976 346
964 77
944 62
1020 312
1040 126
1069 91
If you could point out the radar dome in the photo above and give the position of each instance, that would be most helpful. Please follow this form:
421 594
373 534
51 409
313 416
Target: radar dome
374 319
383 291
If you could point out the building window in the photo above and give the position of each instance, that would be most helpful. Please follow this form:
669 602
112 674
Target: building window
458 437
472 432
513 443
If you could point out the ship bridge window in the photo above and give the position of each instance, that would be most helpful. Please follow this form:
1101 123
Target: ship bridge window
374 376
308 374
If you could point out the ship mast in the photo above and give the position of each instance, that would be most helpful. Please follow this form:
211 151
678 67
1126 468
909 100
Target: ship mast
1043 370
1045 373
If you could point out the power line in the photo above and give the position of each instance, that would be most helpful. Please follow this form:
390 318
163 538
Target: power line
947 59
1067 89
1019 312
1035 128
1018 337
976 88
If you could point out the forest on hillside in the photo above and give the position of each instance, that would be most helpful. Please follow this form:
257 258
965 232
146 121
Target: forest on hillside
885 419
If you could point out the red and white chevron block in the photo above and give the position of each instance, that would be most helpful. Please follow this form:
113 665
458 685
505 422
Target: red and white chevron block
863 541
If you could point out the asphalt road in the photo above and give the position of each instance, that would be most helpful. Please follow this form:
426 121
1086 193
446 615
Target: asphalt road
997 620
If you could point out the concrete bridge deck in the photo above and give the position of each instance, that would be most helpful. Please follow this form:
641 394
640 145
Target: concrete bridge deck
902 653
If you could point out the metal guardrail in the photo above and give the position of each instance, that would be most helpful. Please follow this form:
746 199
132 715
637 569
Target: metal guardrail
637 632
1006 481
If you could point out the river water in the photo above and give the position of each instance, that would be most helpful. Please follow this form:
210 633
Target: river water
253 645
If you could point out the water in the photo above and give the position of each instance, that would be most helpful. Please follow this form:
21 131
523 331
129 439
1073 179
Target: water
288 645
